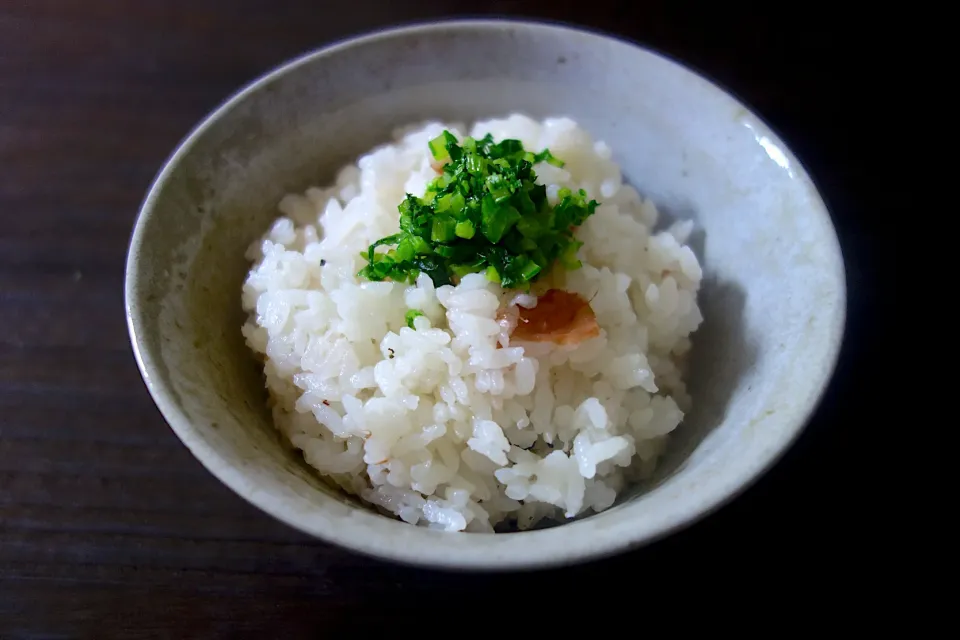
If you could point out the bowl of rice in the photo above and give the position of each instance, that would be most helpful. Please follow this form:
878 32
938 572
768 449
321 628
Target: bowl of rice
485 295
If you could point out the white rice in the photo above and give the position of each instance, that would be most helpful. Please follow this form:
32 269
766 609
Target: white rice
436 424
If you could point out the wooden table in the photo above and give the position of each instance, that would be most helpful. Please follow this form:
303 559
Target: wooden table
109 527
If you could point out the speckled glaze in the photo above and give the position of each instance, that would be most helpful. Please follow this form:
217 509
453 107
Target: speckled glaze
773 297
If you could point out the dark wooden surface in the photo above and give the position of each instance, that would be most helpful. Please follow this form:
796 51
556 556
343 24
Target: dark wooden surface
109 528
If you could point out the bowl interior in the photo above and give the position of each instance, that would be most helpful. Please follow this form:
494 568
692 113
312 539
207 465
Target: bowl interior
773 296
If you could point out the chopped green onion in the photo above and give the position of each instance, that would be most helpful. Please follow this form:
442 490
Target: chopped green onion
530 270
451 202
453 149
498 188
489 187
438 148
497 221
421 246
546 156
443 229
382 242
405 250
474 163
465 230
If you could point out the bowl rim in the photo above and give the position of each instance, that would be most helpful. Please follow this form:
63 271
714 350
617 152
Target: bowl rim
367 542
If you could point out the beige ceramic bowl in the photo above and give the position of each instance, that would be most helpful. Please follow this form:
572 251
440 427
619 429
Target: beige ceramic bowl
773 298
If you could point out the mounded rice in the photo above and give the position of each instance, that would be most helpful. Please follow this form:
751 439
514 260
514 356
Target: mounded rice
436 424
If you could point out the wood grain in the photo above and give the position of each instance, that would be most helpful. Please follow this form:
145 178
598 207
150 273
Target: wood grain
108 527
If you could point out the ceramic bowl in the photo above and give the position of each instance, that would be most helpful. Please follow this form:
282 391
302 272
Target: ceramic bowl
773 297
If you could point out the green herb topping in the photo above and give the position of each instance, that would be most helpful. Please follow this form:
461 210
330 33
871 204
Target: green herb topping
483 214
